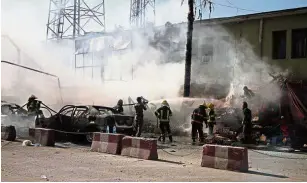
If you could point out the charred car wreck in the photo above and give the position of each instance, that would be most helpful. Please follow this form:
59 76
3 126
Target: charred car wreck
78 122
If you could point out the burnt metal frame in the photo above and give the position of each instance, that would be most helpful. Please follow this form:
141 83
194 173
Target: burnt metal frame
138 12
38 71
60 14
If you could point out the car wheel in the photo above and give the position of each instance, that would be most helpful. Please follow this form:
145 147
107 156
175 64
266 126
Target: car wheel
89 137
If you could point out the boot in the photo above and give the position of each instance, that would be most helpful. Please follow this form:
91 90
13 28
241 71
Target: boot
170 138
194 142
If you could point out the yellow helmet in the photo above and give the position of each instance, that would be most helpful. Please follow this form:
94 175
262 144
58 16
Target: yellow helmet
203 105
211 106
164 102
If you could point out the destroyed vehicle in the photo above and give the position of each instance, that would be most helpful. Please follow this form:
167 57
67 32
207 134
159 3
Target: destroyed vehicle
12 109
17 116
73 120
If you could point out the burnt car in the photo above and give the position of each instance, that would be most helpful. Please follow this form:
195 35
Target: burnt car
73 120
15 115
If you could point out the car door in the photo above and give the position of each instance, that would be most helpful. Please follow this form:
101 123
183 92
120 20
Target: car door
79 117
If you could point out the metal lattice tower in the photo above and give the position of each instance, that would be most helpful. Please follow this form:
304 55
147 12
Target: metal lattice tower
138 10
73 18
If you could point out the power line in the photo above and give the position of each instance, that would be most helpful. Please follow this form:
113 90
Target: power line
234 7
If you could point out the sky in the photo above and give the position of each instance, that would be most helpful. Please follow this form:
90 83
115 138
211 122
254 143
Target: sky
31 15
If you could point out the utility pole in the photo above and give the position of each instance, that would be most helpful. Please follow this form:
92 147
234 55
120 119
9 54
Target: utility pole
188 55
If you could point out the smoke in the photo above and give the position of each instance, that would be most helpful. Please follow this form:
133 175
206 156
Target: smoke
153 68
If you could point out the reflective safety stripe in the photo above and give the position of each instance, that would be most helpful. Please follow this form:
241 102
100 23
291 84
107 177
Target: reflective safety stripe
198 114
167 116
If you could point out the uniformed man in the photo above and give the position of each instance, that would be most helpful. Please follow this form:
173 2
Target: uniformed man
33 105
139 114
163 114
212 116
119 107
247 123
199 116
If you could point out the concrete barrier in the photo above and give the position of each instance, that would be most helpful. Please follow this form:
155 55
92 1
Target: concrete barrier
139 148
225 157
42 136
107 143
8 133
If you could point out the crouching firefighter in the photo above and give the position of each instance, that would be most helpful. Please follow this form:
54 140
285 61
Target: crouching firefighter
199 117
163 114
139 114
212 116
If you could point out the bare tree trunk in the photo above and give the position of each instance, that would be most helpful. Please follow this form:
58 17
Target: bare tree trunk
188 55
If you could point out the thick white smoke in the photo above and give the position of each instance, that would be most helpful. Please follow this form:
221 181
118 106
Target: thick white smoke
233 64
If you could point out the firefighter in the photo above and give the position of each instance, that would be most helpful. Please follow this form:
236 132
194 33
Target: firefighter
248 93
247 123
33 105
119 107
212 116
199 116
139 107
163 114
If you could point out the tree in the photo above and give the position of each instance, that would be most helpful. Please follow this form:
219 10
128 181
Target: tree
188 55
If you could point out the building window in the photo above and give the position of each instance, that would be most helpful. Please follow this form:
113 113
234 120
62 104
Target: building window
299 43
206 50
279 44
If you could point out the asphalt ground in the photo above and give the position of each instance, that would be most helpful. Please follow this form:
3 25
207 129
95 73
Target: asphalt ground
179 161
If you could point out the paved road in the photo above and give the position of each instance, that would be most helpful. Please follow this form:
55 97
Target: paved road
177 163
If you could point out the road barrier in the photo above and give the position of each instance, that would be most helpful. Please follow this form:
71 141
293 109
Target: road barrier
8 133
107 143
225 157
43 136
139 148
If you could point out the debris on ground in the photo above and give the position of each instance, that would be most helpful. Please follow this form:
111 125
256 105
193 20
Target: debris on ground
44 177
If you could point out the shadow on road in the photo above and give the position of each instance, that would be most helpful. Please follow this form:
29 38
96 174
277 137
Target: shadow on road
167 161
266 174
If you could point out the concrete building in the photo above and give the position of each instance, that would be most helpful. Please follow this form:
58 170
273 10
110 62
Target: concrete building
277 37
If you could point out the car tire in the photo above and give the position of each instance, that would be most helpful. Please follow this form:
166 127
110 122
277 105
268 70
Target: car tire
88 138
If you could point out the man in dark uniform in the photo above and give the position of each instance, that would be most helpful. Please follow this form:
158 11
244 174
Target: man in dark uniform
247 123
139 114
119 107
199 117
33 105
163 114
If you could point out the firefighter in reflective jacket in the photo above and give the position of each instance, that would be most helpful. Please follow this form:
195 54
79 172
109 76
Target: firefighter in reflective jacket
163 114
199 117
211 121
